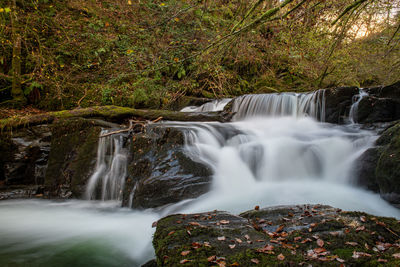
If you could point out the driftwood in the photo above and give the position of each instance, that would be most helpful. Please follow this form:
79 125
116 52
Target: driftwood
108 113
131 124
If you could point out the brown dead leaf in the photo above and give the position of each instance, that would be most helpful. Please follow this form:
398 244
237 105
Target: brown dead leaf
382 260
281 257
232 246
279 229
297 238
196 245
352 243
207 244
247 237
194 223
238 240
255 261
154 224
396 255
320 242
339 260
184 253
357 255
184 261
257 207
306 240
221 238
212 258
361 228
224 222
363 219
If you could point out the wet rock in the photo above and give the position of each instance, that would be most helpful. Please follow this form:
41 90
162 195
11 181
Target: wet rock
338 102
161 172
372 109
388 165
72 157
364 169
378 168
277 236
24 157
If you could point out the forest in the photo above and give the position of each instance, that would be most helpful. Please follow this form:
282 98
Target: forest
58 55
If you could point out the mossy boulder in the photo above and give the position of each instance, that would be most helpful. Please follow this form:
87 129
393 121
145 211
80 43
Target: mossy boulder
278 236
160 170
378 168
72 157
388 166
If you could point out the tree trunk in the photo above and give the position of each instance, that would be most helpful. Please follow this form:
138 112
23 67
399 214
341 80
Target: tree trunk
16 90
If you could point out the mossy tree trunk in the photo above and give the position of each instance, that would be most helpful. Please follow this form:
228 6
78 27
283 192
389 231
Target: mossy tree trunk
16 90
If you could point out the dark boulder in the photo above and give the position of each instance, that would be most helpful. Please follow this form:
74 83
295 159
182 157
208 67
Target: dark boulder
24 158
372 109
338 102
364 169
160 171
309 235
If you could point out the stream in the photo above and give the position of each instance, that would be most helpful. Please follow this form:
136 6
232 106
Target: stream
278 150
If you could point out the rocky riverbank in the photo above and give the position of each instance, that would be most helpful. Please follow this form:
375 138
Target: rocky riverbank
300 235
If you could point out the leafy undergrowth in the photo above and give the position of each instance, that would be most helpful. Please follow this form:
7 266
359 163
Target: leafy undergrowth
280 236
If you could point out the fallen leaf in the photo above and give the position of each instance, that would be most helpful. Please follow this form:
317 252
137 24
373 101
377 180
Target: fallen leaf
257 207
247 237
223 222
352 243
232 246
235 264
196 245
207 244
334 233
363 219
361 228
279 229
238 240
255 261
290 214
184 261
221 264
319 250
154 224
357 255
184 253
171 233
320 242
211 258
221 238
281 257
340 260
306 240
194 223
297 238
396 255
382 260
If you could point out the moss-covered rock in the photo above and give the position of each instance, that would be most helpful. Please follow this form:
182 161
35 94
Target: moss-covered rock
278 236
388 166
72 157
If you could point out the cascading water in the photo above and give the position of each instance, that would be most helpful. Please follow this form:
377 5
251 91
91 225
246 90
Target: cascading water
110 171
354 108
272 155
283 104
215 105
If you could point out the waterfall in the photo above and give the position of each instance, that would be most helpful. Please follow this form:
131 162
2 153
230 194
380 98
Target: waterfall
110 171
354 107
282 104
215 105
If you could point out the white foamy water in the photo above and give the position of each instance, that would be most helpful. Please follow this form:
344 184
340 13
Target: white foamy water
266 161
354 108
215 105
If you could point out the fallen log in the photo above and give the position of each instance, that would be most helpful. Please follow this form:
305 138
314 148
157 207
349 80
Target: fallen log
108 113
